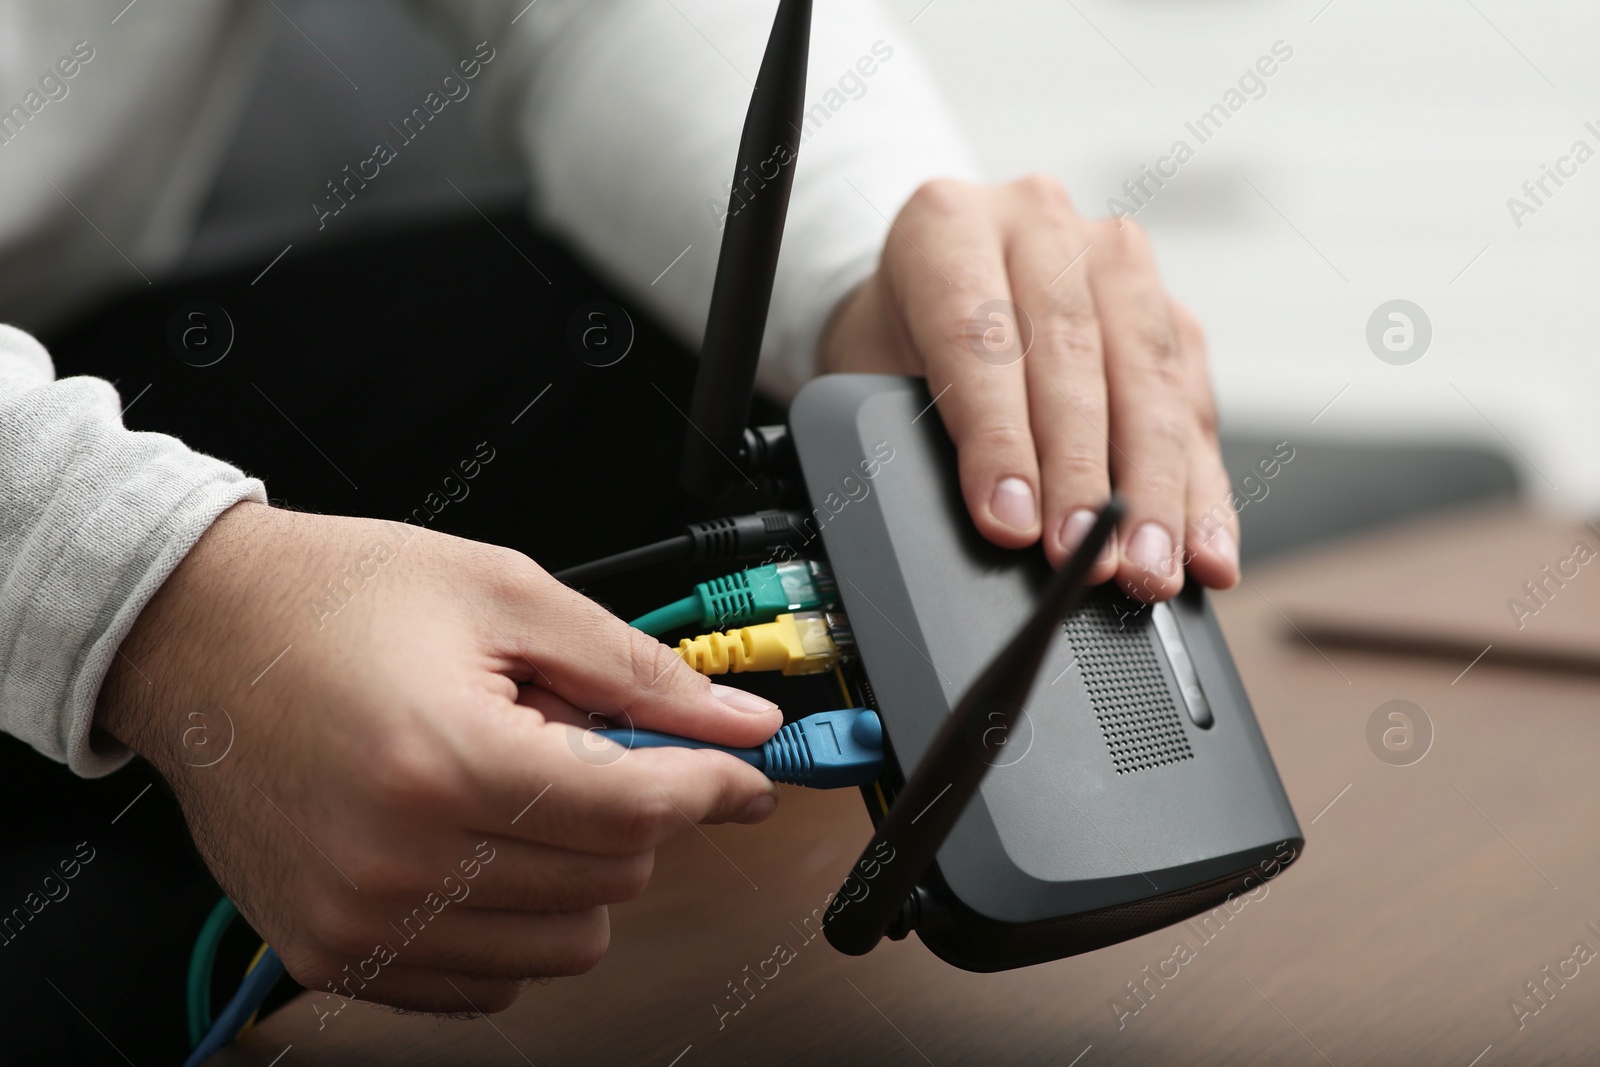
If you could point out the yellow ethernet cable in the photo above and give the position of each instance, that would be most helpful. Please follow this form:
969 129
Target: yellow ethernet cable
806 642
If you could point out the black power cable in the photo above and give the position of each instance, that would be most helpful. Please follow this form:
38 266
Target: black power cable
730 538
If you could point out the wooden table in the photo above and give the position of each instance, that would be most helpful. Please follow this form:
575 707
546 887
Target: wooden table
1427 896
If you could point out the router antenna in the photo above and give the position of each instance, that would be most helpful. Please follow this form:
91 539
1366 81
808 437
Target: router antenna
715 452
948 776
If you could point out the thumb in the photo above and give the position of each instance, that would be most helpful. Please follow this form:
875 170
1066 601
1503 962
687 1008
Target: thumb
597 662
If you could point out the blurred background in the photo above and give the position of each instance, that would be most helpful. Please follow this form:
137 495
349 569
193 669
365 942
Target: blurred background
1374 164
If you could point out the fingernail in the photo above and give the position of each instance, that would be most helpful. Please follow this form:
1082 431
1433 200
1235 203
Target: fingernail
1226 546
1151 549
1013 505
1076 528
742 700
759 808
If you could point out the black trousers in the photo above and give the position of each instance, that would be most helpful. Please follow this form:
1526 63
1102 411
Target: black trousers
355 379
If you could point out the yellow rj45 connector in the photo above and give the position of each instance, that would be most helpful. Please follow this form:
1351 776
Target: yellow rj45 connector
806 642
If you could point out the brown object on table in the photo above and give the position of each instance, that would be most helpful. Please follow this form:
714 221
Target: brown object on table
1528 585
1431 920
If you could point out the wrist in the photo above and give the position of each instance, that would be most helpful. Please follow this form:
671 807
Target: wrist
152 674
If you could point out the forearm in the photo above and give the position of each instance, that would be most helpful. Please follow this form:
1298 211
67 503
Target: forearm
93 518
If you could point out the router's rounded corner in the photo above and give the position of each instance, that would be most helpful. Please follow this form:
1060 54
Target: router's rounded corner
832 394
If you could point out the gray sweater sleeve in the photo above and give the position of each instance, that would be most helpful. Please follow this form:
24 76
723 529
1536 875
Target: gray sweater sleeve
93 518
626 115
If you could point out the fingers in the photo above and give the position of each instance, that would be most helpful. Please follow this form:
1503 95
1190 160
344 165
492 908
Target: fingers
956 307
1113 391
449 959
1212 537
335 985
497 944
525 876
1065 373
554 784
1150 420
525 763
1212 534
577 650
497 872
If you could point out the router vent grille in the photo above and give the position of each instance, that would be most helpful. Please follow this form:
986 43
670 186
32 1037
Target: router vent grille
1127 689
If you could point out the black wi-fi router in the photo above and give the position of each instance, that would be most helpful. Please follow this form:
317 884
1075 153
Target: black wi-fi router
1016 822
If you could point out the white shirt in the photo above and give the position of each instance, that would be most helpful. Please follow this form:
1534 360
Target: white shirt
624 116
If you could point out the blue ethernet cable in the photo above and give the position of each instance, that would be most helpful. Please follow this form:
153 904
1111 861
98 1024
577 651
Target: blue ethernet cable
252 991
829 750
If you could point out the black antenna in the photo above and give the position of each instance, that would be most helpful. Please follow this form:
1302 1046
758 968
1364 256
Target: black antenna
715 453
948 776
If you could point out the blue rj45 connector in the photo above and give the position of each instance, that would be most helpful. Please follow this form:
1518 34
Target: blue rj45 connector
829 750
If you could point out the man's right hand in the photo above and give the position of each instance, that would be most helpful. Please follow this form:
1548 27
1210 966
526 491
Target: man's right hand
394 783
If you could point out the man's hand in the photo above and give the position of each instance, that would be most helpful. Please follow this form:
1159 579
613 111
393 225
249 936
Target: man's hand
377 736
1107 388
